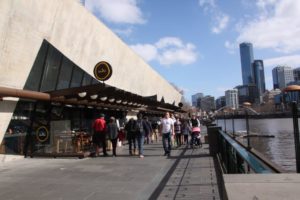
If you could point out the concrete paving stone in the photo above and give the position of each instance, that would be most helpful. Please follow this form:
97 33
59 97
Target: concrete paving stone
124 177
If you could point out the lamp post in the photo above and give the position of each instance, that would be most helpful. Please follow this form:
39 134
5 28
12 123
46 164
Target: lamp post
246 105
293 90
233 109
225 120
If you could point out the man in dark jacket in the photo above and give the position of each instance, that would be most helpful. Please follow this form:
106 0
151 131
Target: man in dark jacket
130 129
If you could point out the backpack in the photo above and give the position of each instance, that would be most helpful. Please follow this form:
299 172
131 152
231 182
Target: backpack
195 122
139 126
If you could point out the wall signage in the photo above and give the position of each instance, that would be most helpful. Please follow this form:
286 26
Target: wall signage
42 134
102 71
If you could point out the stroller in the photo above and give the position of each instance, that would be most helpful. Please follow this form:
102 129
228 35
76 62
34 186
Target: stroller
196 138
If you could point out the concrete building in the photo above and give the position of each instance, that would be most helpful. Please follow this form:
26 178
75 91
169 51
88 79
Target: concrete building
259 79
195 98
246 53
220 102
231 97
51 55
282 75
296 73
247 93
207 103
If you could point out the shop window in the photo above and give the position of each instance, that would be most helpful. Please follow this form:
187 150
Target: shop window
65 74
76 77
87 79
34 78
95 81
14 138
51 70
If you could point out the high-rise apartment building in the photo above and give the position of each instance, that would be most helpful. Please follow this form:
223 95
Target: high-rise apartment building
246 53
259 78
231 98
207 103
195 98
82 2
296 73
220 102
282 75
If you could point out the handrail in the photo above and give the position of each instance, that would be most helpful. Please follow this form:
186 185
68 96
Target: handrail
256 165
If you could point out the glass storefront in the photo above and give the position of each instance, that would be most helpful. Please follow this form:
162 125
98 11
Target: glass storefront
45 127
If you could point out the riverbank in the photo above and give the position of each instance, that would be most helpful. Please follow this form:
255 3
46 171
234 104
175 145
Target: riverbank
260 116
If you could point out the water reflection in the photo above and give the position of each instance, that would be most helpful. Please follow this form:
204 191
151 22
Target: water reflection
280 149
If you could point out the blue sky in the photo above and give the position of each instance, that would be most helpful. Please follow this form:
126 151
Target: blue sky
194 44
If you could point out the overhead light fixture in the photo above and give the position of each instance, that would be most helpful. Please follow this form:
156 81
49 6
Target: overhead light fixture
134 104
130 103
111 100
94 96
90 107
119 101
103 98
82 94
124 102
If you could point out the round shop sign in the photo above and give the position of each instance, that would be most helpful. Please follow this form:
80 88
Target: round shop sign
102 71
42 134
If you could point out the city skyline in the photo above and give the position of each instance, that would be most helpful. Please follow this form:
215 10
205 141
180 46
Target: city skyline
195 44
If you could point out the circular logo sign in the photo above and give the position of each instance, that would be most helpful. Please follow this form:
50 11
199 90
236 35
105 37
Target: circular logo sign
42 134
102 71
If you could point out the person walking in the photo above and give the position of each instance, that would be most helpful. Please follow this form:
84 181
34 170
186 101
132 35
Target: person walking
177 128
112 133
131 135
99 136
166 129
195 126
140 134
185 129
148 130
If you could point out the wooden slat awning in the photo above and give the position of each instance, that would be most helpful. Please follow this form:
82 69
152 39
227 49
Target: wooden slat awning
97 95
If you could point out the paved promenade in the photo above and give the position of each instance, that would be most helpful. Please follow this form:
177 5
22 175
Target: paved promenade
187 174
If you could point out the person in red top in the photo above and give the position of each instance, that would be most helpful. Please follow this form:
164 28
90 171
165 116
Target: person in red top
99 137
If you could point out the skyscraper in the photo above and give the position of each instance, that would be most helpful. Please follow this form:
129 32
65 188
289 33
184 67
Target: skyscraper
195 98
296 72
82 2
231 97
246 53
259 78
282 75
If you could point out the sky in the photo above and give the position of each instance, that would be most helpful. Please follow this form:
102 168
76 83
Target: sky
194 44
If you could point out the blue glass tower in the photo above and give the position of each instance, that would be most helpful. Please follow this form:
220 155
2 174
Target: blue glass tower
259 77
246 53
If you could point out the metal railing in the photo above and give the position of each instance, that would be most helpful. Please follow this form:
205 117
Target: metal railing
235 158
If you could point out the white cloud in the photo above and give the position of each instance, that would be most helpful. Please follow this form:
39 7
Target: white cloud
168 51
222 22
207 3
125 32
219 19
117 11
277 26
146 51
184 55
230 47
168 41
292 61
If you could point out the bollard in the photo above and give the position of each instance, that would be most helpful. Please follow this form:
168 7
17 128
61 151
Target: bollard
213 134
296 135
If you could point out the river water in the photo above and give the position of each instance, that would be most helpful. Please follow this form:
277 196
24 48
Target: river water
279 149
